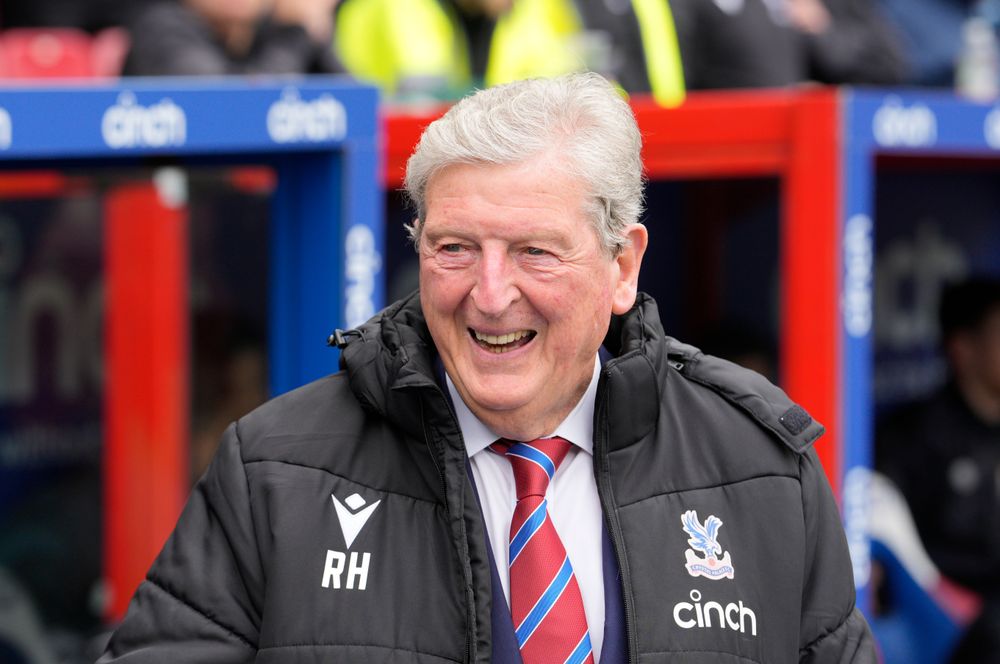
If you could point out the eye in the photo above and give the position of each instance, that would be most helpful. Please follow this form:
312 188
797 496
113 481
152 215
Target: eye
452 248
535 251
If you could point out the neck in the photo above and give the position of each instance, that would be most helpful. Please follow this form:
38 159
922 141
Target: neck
528 423
514 427
983 401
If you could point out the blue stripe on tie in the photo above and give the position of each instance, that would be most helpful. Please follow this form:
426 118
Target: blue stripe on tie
530 453
544 603
527 530
582 650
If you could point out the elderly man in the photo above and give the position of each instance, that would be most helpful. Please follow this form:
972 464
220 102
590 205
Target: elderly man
515 464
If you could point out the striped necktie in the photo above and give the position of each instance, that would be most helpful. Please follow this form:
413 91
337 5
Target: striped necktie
545 601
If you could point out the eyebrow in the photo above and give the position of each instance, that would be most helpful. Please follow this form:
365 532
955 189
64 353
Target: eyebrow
533 235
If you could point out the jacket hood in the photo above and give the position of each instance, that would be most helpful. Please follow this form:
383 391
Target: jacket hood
389 359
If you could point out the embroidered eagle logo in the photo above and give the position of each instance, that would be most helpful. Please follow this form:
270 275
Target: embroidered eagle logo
704 538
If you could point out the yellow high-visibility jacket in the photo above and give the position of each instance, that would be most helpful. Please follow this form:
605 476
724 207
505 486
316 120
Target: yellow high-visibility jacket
413 45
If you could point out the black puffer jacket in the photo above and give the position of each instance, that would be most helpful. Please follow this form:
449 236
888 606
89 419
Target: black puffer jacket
338 523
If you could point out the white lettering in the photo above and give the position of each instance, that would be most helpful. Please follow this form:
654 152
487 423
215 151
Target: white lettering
895 125
129 125
857 297
991 128
747 613
362 265
713 606
359 572
732 610
683 606
357 569
6 129
292 120
856 522
333 568
734 616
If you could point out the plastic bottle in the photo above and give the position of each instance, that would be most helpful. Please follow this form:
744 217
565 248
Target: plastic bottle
977 72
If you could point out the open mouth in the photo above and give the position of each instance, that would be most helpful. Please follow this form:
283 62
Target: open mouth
503 343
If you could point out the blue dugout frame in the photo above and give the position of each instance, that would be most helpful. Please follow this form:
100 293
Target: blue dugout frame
911 123
320 134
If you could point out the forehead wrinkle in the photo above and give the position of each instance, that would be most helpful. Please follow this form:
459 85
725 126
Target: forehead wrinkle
533 202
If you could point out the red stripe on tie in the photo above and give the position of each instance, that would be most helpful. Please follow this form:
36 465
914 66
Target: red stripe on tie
564 624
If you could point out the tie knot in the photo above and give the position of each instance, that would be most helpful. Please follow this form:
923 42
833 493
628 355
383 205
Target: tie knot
534 463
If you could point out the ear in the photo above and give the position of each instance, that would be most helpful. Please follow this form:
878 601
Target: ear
412 229
629 261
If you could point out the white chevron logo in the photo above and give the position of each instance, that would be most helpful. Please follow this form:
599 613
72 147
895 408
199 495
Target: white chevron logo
353 516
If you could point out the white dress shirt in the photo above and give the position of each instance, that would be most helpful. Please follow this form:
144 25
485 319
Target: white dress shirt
573 504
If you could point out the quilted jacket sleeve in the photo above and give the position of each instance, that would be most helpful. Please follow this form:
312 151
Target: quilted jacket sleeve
833 631
201 599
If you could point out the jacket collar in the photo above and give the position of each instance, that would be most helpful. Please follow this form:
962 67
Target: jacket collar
390 359
390 363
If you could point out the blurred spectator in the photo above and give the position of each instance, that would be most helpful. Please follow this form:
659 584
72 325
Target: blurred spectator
443 48
215 37
737 44
944 454
775 43
849 41
89 15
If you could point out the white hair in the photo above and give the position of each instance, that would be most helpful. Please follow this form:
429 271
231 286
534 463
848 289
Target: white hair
582 115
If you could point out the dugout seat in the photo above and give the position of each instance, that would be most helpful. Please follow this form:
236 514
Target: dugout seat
61 53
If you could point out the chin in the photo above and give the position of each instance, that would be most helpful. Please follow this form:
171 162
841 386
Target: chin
491 404
498 396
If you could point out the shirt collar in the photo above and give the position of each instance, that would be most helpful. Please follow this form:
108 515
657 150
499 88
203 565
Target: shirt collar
577 428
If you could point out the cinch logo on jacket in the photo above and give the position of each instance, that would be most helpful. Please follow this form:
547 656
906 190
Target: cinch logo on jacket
352 514
688 615
736 616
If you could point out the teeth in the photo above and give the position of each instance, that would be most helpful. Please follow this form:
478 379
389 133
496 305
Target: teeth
501 339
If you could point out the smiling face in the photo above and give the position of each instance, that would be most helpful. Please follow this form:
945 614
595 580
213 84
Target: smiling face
517 291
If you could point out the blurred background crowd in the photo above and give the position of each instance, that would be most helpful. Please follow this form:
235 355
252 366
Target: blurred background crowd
443 47
939 416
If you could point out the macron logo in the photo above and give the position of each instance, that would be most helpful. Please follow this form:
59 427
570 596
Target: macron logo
353 516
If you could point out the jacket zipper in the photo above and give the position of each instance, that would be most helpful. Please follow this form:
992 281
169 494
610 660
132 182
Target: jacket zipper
471 600
614 526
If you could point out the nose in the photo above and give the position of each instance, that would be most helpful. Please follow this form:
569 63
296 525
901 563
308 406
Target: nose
495 289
